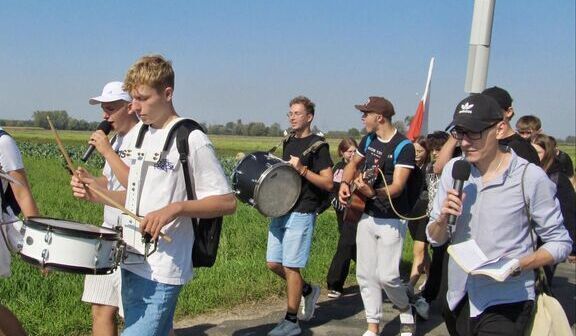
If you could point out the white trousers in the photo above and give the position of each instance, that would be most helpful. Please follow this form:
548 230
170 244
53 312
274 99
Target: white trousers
379 244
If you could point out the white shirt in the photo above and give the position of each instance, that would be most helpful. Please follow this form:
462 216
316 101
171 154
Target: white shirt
163 184
10 160
120 146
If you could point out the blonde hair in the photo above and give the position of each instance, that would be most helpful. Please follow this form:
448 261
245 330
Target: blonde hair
151 70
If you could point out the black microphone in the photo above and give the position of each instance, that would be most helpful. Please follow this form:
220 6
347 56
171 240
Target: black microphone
105 127
460 174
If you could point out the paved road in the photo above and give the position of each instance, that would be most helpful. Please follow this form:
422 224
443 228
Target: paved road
342 317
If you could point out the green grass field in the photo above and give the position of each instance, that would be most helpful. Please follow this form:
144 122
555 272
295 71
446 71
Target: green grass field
50 305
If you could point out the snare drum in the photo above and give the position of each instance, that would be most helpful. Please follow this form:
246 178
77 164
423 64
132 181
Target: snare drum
70 247
269 184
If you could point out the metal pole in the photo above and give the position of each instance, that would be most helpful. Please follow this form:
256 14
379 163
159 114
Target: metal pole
479 52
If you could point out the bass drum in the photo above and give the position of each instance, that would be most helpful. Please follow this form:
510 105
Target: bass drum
69 246
267 183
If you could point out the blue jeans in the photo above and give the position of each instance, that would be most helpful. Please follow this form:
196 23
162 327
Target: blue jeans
289 239
148 305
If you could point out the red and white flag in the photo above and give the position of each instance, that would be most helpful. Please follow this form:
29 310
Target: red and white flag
419 123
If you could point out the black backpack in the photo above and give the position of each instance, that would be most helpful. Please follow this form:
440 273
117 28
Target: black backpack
206 230
8 198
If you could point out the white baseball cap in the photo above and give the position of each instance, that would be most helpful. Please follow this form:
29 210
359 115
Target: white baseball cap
112 91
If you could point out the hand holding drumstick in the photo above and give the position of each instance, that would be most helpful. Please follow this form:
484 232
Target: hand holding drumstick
81 182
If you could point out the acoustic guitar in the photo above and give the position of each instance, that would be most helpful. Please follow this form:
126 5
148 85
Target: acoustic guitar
357 201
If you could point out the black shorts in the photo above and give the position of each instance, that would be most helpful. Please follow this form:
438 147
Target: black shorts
418 229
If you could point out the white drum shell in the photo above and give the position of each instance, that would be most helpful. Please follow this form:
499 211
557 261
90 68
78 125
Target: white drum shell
57 250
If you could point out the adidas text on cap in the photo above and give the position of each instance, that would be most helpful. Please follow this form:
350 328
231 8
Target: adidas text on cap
477 112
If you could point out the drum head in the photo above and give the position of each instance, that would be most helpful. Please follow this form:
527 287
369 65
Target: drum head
278 190
71 228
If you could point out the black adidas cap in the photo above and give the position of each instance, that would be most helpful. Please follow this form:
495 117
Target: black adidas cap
477 112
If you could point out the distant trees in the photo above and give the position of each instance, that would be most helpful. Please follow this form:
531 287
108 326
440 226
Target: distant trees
62 120
250 129
16 123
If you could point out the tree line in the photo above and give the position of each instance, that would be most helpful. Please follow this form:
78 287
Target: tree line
60 119
63 121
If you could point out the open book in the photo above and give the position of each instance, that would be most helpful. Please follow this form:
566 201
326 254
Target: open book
472 260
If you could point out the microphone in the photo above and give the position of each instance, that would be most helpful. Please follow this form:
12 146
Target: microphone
105 127
460 174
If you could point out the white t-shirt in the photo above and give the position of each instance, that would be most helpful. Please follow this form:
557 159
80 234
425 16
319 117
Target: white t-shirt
10 159
120 146
164 184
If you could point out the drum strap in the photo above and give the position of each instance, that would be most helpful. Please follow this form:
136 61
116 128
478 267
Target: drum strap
314 147
141 161
282 142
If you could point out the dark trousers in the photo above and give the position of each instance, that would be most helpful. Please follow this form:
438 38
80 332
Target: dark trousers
345 252
509 319
436 284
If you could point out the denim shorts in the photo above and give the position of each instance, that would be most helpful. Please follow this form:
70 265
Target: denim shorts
289 239
148 305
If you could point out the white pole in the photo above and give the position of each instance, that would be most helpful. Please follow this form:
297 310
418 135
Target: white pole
426 99
479 51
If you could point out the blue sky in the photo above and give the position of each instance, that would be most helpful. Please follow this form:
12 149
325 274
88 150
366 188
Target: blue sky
247 59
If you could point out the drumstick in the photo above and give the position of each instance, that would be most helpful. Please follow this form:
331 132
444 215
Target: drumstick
94 189
61 146
121 207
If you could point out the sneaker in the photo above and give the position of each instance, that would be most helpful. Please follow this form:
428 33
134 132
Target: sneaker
334 294
286 328
422 307
308 303
369 333
407 323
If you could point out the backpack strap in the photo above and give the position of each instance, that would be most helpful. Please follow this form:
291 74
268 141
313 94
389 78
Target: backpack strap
541 282
7 196
141 133
369 139
399 148
182 130
3 197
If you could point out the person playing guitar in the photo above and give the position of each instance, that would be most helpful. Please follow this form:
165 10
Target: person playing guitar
357 202
381 232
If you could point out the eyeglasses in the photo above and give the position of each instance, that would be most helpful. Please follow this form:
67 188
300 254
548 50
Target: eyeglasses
295 114
459 134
